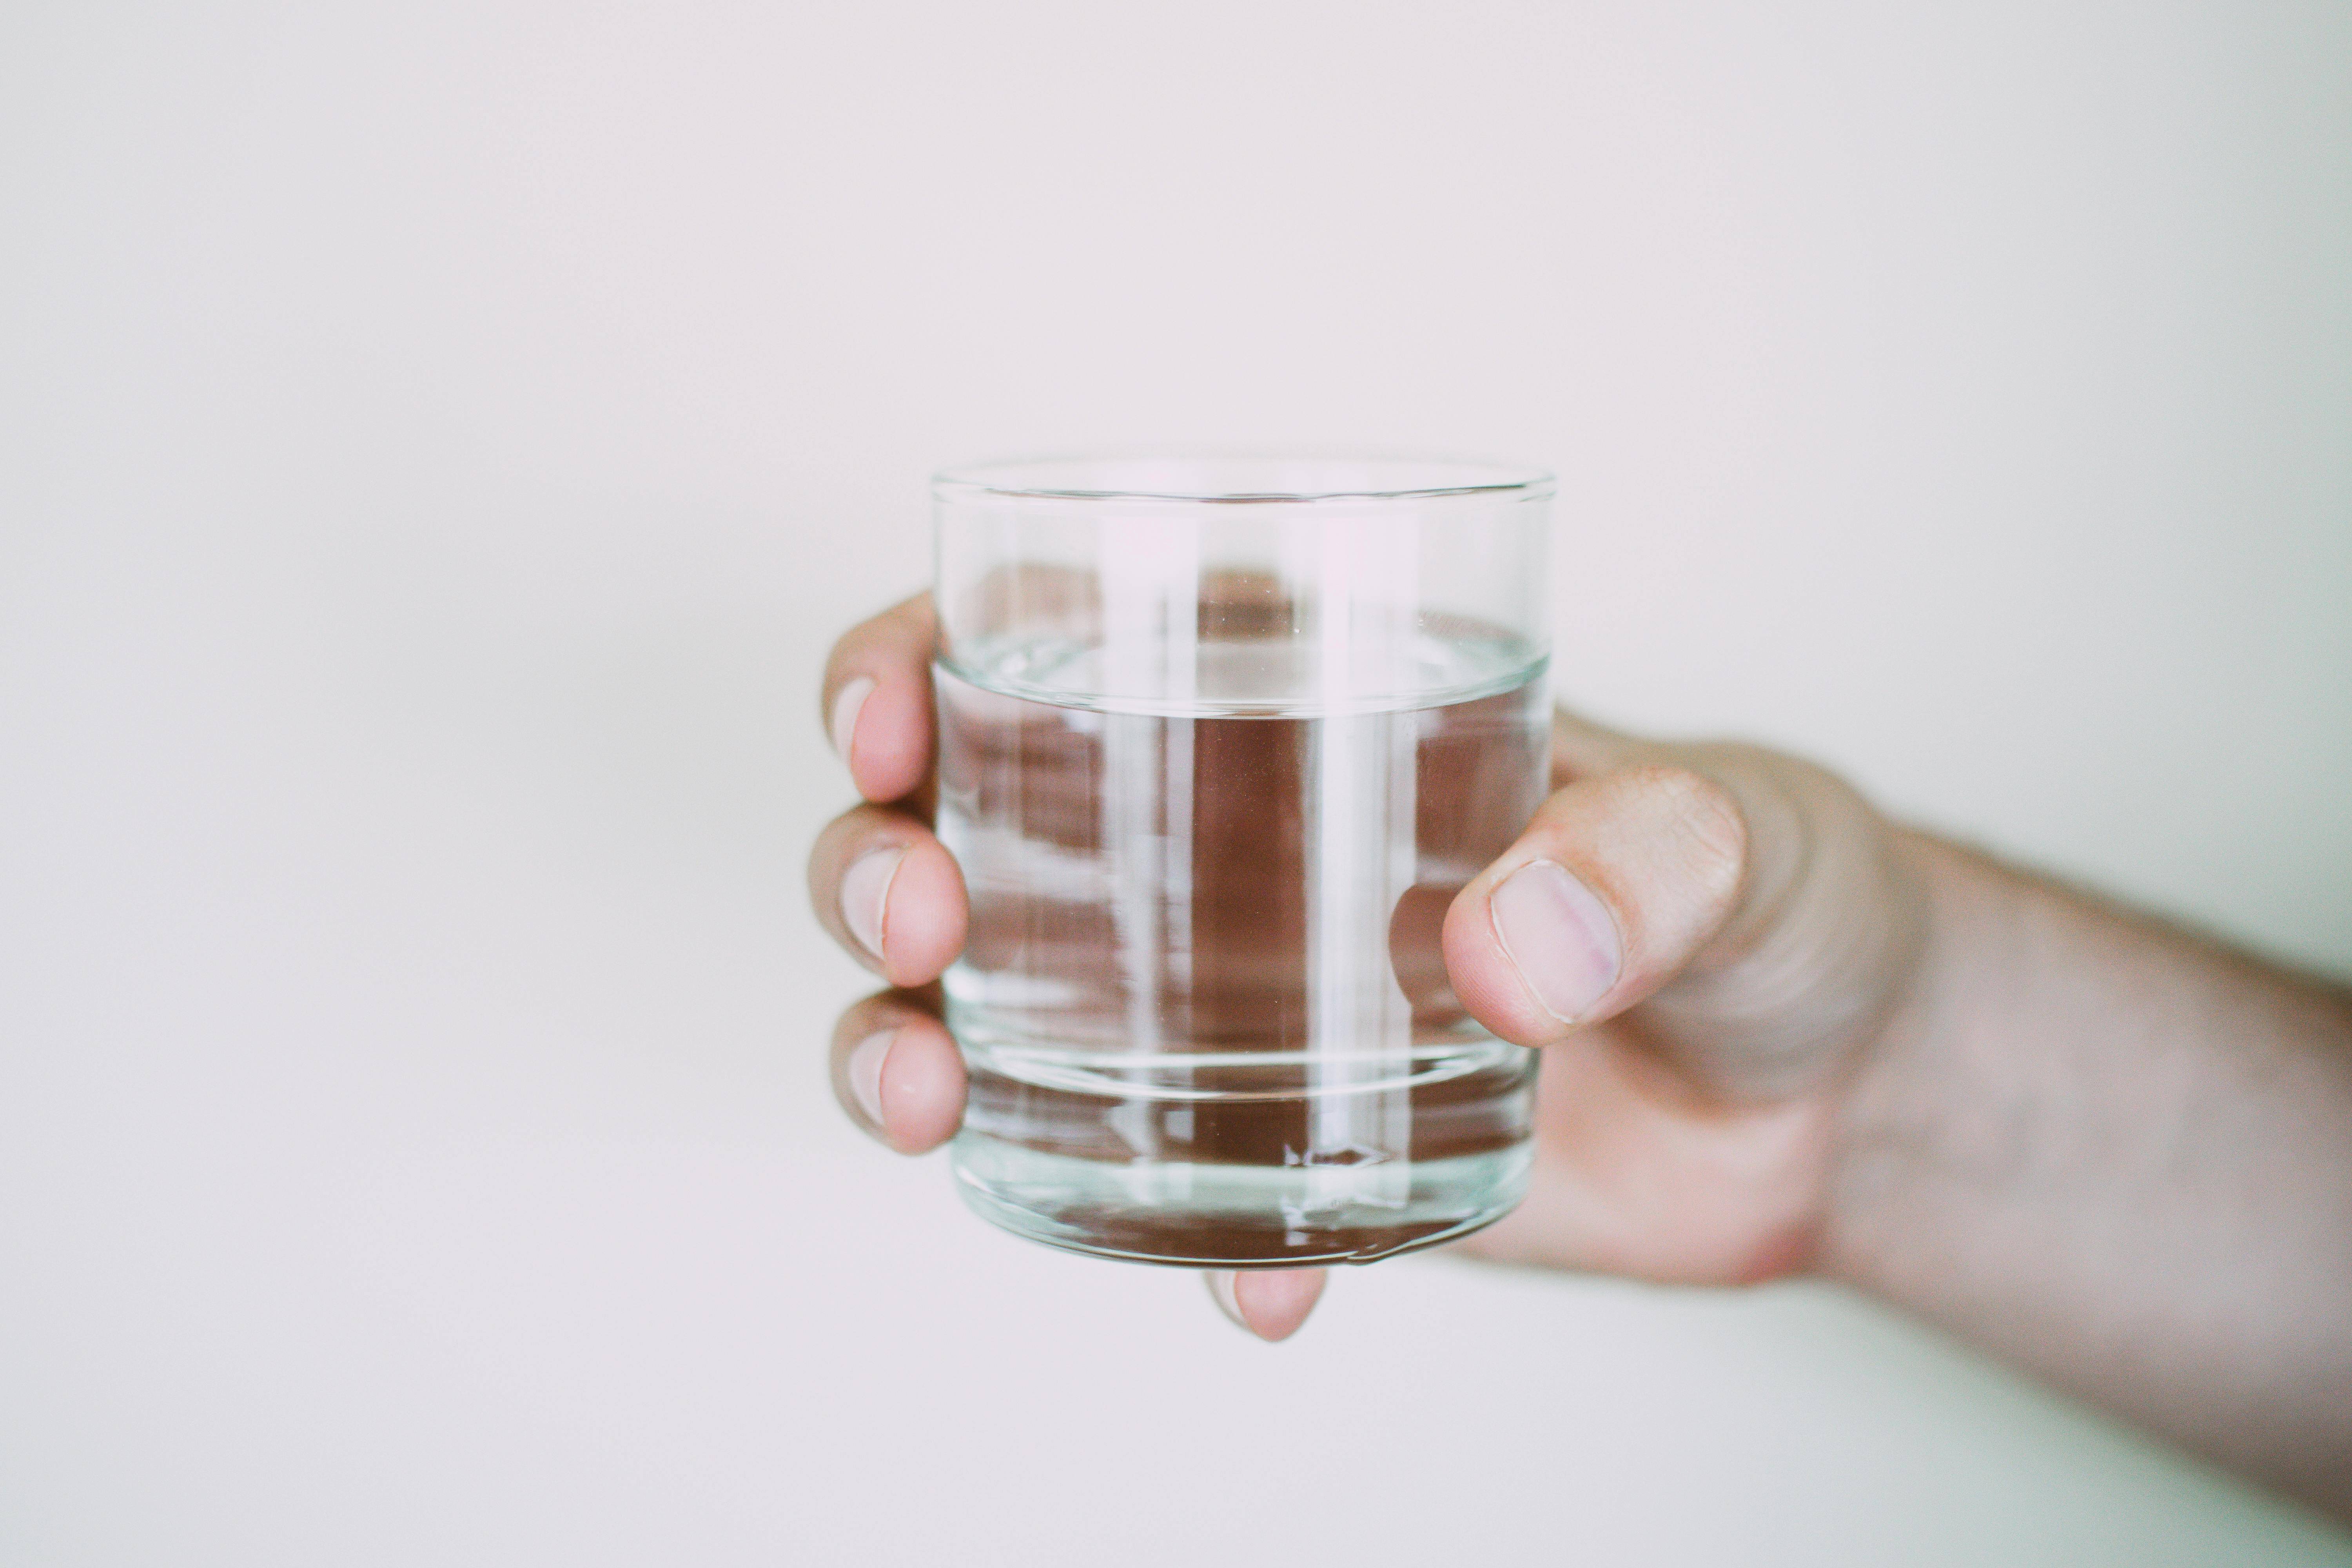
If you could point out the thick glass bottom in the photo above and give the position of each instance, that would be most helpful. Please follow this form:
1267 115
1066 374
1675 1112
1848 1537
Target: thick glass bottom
1209 1216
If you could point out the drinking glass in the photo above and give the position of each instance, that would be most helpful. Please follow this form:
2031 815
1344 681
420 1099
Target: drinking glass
1220 740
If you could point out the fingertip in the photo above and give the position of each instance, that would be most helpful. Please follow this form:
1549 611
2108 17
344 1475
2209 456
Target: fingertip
878 710
1485 980
921 1088
1271 1303
841 723
889 746
1561 938
897 1072
1275 1302
863 1071
925 915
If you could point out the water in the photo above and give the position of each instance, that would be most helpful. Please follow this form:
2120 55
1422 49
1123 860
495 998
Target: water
1202 1000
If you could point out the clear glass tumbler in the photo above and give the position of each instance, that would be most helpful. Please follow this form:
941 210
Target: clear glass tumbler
1220 738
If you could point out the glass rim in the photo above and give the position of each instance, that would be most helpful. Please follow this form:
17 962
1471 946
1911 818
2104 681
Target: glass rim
1409 478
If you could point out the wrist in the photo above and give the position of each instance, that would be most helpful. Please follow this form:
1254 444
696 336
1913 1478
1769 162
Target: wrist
1901 1114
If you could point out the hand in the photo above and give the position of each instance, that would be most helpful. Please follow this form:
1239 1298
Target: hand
1707 940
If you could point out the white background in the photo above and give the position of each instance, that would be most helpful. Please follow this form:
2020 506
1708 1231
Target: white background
437 442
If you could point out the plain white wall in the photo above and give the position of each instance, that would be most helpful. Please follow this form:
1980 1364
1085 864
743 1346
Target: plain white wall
438 441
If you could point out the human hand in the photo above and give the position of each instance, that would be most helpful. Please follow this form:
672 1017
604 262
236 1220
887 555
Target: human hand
1707 940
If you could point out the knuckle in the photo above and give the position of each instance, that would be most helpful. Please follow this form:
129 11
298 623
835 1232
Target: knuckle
1710 834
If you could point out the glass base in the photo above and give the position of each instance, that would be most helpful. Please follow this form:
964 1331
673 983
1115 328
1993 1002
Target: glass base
1203 1215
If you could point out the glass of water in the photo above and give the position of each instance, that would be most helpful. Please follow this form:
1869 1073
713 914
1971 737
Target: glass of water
1220 738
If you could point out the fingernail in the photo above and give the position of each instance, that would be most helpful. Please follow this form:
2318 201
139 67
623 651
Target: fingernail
846 704
865 896
865 1072
1221 1283
1560 936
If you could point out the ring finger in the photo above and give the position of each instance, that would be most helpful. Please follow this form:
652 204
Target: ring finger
897 1072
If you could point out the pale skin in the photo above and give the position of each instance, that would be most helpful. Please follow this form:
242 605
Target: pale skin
1783 1035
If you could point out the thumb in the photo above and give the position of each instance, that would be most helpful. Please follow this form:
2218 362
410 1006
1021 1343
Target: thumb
1618 883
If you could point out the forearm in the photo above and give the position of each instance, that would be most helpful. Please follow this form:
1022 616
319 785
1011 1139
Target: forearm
2120 1157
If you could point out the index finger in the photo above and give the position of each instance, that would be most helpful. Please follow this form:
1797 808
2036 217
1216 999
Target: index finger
876 700
1581 748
